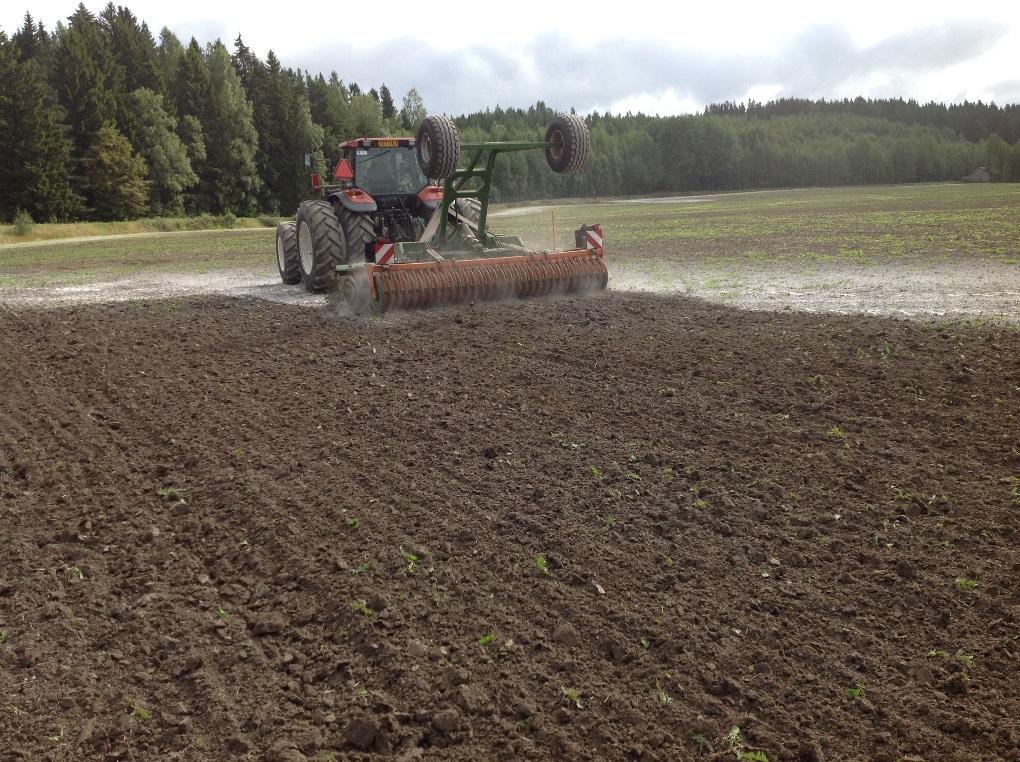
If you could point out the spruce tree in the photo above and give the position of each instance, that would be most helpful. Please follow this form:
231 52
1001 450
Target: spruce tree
133 49
115 178
230 180
190 92
35 160
168 56
386 101
85 77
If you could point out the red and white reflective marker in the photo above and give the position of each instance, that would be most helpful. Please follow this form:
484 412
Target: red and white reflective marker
593 237
384 253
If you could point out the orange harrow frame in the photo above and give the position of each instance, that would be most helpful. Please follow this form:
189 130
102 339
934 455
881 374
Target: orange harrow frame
425 284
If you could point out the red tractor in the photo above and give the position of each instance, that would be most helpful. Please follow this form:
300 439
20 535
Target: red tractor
378 235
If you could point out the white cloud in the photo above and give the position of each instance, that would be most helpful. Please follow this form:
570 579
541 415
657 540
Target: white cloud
642 55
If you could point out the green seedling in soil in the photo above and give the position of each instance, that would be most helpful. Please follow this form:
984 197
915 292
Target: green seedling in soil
139 711
562 441
3 636
965 659
59 736
221 614
172 494
243 542
353 521
362 608
609 521
740 750
668 473
596 471
1014 492
836 433
857 692
966 583
633 477
700 504
664 698
76 573
632 458
668 391
238 452
411 561
542 564
646 642
937 653
700 741
487 640
573 695
360 568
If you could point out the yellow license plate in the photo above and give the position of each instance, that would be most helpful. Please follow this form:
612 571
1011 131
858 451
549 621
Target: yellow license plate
388 143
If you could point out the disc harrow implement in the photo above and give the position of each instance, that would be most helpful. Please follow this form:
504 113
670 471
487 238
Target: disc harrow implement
431 284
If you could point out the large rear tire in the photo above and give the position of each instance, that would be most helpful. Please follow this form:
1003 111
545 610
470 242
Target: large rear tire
470 209
321 245
438 147
287 257
359 232
571 142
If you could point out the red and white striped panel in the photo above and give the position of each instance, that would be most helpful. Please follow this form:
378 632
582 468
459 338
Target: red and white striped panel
593 237
384 252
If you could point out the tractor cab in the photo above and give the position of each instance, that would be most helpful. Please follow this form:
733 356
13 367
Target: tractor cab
384 167
381 177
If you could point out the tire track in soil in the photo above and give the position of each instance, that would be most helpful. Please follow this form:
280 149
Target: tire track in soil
234 627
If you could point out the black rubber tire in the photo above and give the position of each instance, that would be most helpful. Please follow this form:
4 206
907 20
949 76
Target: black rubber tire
470 209
321 245
572 142
287 257
359 231
438 147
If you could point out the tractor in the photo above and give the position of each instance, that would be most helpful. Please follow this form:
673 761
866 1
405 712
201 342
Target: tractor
404 224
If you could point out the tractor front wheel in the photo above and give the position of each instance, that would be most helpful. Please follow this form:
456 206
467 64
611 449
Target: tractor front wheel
321 245
287 253
570 143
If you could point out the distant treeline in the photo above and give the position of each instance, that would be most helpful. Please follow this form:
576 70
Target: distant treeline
730 147
100 120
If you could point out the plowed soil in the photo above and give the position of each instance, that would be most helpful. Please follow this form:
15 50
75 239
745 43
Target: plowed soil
612 527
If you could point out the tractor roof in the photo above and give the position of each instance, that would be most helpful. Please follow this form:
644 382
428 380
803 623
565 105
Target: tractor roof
378 143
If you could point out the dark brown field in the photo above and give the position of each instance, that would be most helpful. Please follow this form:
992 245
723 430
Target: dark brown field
613 527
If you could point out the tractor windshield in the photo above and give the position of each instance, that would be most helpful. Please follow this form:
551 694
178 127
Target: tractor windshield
385 171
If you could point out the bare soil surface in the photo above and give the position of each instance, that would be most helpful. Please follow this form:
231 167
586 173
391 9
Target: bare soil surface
611 527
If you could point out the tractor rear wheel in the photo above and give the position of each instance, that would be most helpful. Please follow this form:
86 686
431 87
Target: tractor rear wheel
470 209
321 245
570 143
287 253
359 232
438 147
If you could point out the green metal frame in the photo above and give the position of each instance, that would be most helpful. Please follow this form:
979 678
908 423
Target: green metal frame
480 162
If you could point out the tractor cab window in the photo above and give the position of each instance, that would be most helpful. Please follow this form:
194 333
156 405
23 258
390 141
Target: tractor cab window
382 171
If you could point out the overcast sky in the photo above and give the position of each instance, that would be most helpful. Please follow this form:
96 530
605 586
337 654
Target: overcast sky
463 56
